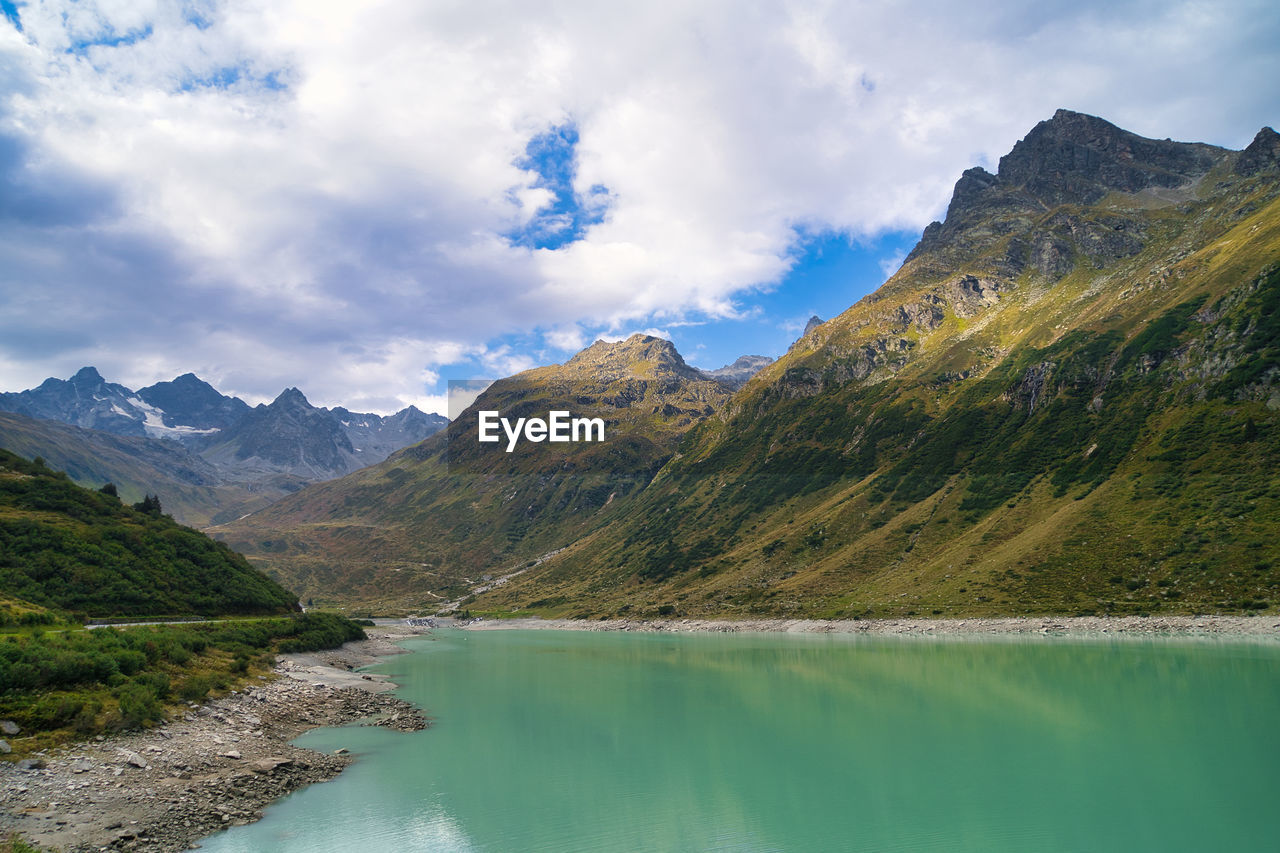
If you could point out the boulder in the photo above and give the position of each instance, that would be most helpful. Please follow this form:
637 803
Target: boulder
133 759
269 765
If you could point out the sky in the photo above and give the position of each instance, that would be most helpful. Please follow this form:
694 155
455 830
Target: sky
365 200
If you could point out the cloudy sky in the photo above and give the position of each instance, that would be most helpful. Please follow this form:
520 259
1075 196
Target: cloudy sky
364 199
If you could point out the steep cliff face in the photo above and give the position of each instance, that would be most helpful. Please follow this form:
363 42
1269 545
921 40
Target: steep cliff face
1064 401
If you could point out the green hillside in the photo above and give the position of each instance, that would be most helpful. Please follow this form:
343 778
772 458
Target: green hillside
69 549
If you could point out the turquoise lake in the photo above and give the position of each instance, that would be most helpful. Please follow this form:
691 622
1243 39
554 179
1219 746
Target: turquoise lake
586 741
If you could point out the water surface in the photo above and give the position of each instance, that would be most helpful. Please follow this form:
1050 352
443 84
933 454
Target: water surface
581 741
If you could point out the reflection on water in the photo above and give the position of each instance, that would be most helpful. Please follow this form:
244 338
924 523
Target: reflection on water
603 741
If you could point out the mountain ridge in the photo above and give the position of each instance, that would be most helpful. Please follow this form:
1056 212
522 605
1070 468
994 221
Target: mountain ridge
245 456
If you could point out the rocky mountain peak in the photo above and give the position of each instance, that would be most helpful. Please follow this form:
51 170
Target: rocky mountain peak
87 377
1071 158
814 322
639 354
291 398
1262 153
969 189
736 375
1078 158
189 401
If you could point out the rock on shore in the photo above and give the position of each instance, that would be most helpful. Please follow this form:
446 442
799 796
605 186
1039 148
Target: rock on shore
220 764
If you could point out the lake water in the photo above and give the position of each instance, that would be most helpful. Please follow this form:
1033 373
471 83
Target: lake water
583 741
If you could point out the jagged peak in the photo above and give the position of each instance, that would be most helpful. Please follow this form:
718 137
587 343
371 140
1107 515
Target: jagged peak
292 396
1262 153
1075 157
87 374
637 355
972 184
814 322
743 361
638 346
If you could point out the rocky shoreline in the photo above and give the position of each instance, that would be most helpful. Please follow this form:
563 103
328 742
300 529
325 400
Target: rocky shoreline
218 765
1261 626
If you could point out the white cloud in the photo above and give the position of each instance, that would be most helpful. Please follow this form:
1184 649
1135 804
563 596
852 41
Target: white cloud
891 264
614 337
339 199
567 338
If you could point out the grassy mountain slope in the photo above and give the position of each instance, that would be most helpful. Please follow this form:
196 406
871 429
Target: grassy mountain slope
421 526
69 549
1065 401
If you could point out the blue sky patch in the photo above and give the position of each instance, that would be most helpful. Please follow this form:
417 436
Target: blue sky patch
109 38
232 75
11 12
553 156
831 271
196 17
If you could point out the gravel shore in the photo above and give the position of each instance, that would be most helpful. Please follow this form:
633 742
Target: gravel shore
218 765
1223 626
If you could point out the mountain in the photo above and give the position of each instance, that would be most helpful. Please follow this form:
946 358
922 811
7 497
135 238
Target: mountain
224 458
434 516
377 437
85 400
1064 402
1067 400
194 490
736 375
65 548
288 434
190 400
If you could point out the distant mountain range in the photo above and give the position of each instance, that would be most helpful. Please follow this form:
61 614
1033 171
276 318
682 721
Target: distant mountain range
209 456
1067 400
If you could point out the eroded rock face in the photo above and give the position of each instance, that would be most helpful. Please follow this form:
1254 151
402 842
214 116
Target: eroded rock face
970 295
1033 387
857 363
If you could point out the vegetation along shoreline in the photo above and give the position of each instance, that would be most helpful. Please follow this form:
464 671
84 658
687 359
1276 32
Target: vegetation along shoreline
218 764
